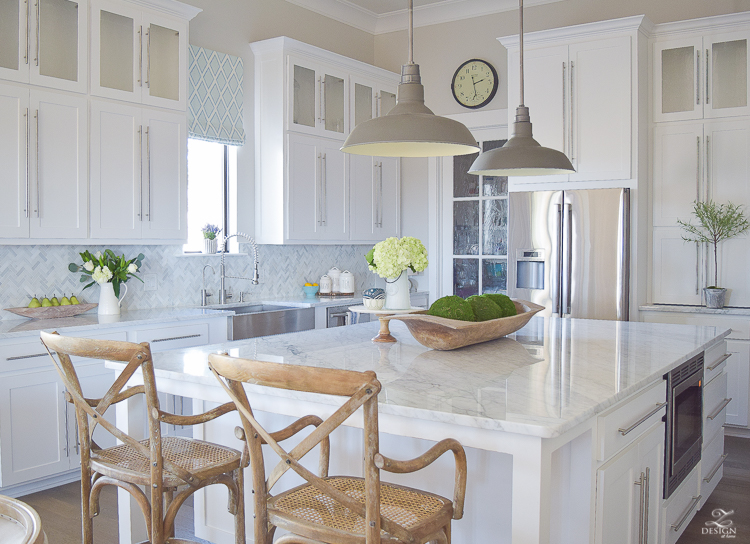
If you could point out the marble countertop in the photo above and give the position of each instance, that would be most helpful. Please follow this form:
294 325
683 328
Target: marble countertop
16 328
542 381
300 301
680 308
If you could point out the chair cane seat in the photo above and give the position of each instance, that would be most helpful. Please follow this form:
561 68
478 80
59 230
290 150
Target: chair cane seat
410 508
201 458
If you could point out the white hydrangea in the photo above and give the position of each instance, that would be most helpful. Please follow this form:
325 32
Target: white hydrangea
392 256
101 275
132 268
88 265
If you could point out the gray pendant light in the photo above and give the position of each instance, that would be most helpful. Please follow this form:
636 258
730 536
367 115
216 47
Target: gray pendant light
410 129
521 155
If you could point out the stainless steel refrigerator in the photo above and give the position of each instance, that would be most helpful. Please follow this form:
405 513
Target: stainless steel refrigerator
570 251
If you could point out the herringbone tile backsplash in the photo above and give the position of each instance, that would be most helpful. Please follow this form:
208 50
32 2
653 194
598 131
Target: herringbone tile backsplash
26 271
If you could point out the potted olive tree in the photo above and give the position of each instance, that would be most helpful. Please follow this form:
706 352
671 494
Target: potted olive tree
716 223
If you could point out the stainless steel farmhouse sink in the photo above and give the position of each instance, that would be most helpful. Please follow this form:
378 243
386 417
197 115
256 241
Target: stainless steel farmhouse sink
265 319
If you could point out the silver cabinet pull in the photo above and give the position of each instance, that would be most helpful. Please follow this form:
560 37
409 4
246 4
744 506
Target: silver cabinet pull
36 58
697 267
140 56
686 515
320 99
319 190
148 168
708 160
38 183
641 482
377 104
148 58
721 360
698 168
721 407
715 469
627 430
28 167
698 76
175 338
707 63
67 438
572 116
380 195
140 153
646 493
26 51
19 357
324 168
375 197
564 128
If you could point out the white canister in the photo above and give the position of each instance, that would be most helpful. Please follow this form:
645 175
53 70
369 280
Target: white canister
325 284
346 282
335 275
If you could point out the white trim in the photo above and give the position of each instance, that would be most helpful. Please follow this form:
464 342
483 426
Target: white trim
709 25
169 7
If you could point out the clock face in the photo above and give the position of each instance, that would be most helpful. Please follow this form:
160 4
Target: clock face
474 83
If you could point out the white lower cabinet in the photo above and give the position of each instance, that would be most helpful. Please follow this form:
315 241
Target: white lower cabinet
680 508
738 382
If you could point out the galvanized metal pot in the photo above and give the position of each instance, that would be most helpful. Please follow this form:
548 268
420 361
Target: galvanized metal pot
715 297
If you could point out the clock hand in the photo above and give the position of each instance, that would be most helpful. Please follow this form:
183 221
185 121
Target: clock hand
475 82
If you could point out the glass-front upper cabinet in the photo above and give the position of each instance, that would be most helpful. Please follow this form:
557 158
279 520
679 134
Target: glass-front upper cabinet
701 77
138 56
319 97
43 42
370 100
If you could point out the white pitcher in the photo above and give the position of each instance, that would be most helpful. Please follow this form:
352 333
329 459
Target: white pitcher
109 304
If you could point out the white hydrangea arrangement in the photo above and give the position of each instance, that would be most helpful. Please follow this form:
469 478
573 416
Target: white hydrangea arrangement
107 267
392 256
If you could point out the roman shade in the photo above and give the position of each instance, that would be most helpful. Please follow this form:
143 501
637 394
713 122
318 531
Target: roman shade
215 97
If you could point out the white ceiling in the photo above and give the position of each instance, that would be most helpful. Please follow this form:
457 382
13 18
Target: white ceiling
381 16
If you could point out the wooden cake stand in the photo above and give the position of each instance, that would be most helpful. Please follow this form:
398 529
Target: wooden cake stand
385 334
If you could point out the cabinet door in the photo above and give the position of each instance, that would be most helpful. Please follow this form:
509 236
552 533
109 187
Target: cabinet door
33 432
600 109
165 60
547 94
165 175
678 79
303 192
59 194
334 184
618 499
726 75
369 100
116 182
677 178
364 192
14 156
389 196
14 40
319 97
116 51
651 454
738 382
678 268
59 38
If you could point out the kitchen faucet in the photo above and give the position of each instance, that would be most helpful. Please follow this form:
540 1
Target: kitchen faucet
223 296
204 293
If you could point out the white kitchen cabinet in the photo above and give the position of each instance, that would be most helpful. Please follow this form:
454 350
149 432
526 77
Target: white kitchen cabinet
628 492
14 156
678 268
738 382
44 43
317 191
701 76
319 96
370 99
579 95
374 184
139 55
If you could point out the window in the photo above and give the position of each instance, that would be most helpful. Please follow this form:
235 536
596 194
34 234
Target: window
212 175
480 228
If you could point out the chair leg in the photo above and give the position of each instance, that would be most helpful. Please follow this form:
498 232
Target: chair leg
168 497
87 522
239 515
447 530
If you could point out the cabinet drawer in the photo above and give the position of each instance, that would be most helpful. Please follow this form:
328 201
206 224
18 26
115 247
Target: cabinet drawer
715 403
681 507
24 355
714 361
712 465
175 337
624 424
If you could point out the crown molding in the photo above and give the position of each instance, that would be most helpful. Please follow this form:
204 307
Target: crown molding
601 28
169 7
711 25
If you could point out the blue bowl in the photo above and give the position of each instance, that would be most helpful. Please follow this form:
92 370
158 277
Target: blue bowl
310 290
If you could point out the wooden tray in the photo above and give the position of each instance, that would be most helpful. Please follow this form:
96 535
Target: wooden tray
52 312
446 334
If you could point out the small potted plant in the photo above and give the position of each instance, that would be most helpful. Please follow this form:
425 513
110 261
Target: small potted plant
716 223
210 242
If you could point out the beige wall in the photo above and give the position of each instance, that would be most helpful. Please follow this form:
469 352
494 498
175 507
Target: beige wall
440 49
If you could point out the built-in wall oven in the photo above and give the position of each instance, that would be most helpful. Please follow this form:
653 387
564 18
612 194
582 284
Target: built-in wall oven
684 422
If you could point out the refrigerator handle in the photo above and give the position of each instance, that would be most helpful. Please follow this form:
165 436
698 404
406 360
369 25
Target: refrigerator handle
569 264
558 309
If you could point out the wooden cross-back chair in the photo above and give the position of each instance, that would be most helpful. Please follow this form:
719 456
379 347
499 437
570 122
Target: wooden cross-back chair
336 509
160 463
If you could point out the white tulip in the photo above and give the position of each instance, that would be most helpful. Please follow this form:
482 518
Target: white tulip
132 268
88 265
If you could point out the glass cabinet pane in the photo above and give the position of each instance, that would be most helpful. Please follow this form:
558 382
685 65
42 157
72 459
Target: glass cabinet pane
362 103
304 96
465 277
387 101
678 79
729 74
9 39
464 184
163 62
495 227
116 51
494 276
334 103
58 39
494 185
466 227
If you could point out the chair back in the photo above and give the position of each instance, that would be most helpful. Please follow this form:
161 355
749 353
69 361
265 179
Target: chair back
362 388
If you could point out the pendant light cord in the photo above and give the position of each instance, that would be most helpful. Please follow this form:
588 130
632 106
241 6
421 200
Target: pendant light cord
411 31
520 2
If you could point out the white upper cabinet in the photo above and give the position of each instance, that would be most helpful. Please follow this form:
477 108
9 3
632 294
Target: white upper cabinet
369 99
138 55
319 98
43 42
701 76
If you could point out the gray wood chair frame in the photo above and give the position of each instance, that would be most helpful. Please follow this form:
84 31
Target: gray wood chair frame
160 507
362 388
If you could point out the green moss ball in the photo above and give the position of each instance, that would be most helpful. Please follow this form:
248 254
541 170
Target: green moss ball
504 302
452 307
484 308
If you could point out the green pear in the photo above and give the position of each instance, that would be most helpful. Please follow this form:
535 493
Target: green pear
46 303
74 300
35 303
54 301
65 301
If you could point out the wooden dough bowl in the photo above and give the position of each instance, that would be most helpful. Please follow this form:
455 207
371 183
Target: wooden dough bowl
53 312
445 334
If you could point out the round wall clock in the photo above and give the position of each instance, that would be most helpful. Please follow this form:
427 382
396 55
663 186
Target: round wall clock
474 83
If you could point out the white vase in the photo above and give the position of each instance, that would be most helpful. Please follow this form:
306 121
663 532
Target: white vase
397 293
109 304
210 246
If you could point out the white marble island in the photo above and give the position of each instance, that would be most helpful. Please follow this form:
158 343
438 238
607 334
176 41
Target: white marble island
526 408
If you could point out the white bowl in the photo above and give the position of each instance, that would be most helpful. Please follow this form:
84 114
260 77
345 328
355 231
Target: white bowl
374 303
